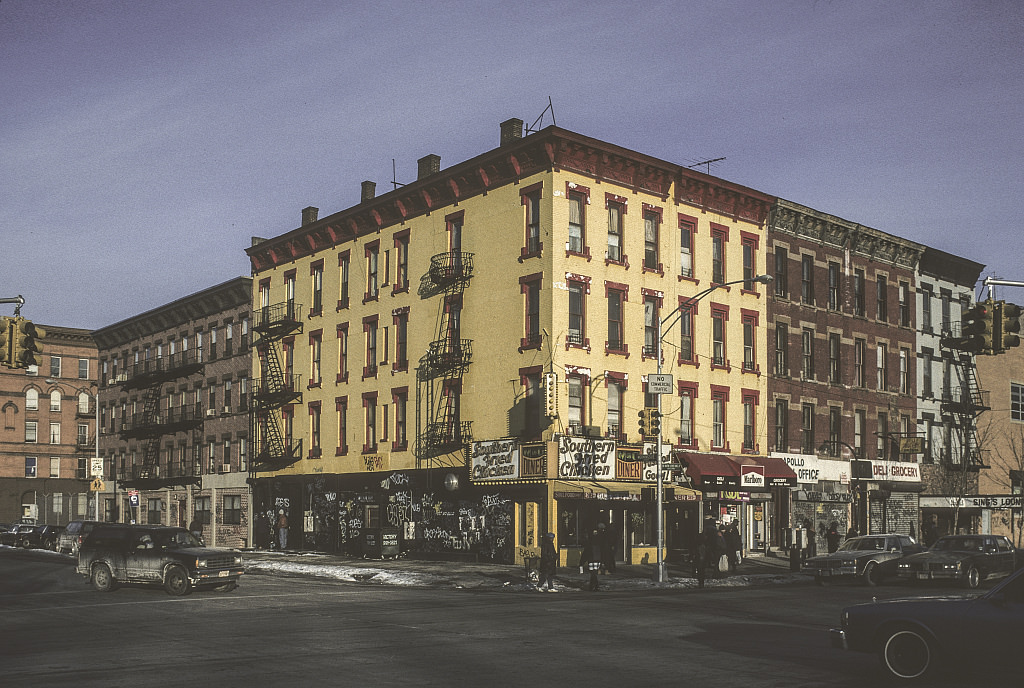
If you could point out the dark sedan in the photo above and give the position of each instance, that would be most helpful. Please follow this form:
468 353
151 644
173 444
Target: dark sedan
40 537
870 558
915 637
965 559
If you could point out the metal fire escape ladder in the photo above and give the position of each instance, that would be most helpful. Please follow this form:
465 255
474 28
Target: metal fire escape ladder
273 391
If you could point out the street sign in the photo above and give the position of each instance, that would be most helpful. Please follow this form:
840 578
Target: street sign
133 498
659 383
96 466
97 485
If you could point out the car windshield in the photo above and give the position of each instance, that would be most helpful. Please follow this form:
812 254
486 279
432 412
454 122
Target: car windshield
863 543
180 539
959 544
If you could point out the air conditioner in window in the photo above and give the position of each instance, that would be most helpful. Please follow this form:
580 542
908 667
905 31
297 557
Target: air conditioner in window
210 413
227 410
225 468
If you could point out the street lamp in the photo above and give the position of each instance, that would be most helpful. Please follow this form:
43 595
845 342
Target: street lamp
662 330
96 401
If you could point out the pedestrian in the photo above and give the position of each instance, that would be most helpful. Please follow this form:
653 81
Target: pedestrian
709 547
196 528
590 558
851 533
282 530
548 563
812 544
833 537
607 550
930 532
722 547
733 546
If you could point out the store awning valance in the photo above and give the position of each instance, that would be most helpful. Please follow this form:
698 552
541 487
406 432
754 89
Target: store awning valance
710 470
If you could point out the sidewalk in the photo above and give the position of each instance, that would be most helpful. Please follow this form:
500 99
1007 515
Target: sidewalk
758 569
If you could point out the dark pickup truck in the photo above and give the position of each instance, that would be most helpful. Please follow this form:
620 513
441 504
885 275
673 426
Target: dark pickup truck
172 557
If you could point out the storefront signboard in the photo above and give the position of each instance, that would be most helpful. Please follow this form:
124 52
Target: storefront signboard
586 458
495 460
896 471
974 501
810 469
752 477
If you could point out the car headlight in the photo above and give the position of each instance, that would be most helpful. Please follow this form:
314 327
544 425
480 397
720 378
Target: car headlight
201 563
238 560
903 566
844 619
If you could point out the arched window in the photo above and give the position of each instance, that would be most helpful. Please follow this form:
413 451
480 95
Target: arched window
83 403
32 399
55 400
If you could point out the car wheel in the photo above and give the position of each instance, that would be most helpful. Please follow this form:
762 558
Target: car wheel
49 544
907 653
102 579
872 575
227 587
972 578
176 581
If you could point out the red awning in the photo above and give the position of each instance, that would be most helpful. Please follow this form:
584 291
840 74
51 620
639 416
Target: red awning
710 470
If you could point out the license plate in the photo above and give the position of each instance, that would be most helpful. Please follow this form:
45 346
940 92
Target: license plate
923 576
223 574
826 573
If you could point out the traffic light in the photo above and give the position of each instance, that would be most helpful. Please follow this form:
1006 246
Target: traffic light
26 348
550 395
1006 326
976 327
650 422
6 327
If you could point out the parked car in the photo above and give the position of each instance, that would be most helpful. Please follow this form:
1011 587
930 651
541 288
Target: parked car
966 559
40 537
72 537
15 533
870 558
113 554
914 638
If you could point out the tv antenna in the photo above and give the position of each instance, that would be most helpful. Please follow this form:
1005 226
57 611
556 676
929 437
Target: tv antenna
705 162
394 176
550 108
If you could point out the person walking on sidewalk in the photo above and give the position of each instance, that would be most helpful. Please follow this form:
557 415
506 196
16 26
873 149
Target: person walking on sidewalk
733 546
590 558
282 530
548 563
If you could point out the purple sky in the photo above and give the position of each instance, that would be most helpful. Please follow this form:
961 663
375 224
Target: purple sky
142 144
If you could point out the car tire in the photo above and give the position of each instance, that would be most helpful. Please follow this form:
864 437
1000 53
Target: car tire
907 653
50 545
176 581
973 578
872 575
102 578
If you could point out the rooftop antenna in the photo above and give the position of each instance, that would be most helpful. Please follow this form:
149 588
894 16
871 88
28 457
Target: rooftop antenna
705 162
533 127
394 176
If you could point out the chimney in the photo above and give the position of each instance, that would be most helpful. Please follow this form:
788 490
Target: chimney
428 165
511 131
309 215
368 191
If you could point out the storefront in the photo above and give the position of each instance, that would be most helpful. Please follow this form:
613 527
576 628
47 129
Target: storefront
823 496
995 514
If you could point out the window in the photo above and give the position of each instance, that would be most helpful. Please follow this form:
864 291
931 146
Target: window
55 400
904 304
650 326
1016 401
926 308
315 351
370 422
883 435
616 341
83 369
400 399
154 511
202 509
652 223
316 275
614 419
616 210
781 425
577 316
807 348
530 286
945 296
749 261
370 333
341 407
343 277
575 391
750 342
718 238
232 510
718 318
534 408
342 353
883 367
54 366
54 467
531 201
401 320
781 280
927 358
372 272
401 262
904 371
807 429
858 292
315 450
32 399
882 298
54 433
687 229
833 286
835 375
860 354
686 396
718 401
749 403
807 279
835 427
289 291
860 424
686 354
781 349
577 223
30 466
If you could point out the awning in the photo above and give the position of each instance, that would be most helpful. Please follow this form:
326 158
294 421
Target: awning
711 470
598 489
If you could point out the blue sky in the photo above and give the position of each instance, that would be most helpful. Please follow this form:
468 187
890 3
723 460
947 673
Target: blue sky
143 143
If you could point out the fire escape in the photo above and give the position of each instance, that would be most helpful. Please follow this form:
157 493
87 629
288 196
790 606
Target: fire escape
963 403
273 447
161 417
443 366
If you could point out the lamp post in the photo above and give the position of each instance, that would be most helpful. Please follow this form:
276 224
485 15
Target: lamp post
662 330
96 402
855 465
